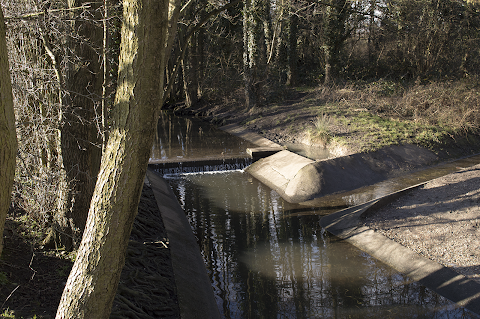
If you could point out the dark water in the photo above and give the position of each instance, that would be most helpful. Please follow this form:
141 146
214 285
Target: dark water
181 138
267 258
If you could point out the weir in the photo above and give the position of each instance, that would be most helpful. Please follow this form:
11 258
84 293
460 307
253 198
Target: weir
200 165
266 257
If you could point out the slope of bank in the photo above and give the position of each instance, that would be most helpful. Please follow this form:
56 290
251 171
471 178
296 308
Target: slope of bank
356 119
428 232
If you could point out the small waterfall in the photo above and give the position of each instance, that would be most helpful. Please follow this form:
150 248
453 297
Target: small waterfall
200 166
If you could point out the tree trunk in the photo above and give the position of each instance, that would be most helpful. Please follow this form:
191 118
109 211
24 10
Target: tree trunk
328 66
254 52
81 130
267 27
200 61
292 50
249 47
93 281
371 28
335 34
190 73
8 137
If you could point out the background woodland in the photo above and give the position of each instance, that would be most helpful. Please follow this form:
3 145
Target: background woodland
64 66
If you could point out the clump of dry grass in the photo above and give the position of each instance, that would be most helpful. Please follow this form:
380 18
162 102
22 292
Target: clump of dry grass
452 105
321 134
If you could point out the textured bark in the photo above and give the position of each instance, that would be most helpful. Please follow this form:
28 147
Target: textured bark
174 7
335 34
94 278
80 137
8 137
190 73
292 50
252 51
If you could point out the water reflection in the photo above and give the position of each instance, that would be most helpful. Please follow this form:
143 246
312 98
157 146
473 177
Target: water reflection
267 258
191 138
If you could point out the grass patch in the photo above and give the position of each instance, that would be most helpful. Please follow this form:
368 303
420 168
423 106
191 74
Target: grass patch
321 133
377 132
383 113
10 314
3 279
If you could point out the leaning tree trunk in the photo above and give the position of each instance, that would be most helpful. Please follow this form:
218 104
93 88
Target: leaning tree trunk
8 137
93 281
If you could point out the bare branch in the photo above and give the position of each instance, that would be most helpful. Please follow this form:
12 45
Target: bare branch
189 34
35 15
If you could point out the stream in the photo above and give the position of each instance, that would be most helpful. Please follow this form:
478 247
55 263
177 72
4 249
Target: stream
267 258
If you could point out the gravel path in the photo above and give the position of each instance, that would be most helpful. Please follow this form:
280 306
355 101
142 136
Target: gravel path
440 221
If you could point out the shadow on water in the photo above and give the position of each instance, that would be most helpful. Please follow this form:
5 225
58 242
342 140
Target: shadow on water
271 259
268 258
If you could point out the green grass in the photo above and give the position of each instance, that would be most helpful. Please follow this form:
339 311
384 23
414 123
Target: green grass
10 314
3 279
382 113
377 131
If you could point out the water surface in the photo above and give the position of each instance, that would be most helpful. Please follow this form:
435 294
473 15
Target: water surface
267 258
180 138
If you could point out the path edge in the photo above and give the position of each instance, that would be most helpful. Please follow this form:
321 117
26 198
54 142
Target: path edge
348 224
194 290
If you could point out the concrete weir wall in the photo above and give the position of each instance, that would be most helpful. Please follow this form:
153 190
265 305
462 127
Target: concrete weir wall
298 179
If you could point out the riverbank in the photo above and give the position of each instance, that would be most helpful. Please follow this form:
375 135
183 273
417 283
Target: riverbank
427 232
439 221
32 278
356 118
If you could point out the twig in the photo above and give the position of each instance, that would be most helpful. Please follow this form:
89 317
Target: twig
3 304
156 242
30 266
37 14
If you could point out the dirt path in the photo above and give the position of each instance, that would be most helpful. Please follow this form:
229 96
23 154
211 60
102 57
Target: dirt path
440 221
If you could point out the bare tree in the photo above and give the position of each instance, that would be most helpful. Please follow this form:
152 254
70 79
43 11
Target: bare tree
81 139
335 33
94 278
254 51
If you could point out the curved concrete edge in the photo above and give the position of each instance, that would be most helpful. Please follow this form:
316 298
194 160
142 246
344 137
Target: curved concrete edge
194 289
278 170
348 224
254 138
299 179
